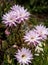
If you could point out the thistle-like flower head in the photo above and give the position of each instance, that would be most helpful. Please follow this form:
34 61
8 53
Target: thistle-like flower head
24 56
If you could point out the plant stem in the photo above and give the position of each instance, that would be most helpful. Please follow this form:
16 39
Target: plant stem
1 43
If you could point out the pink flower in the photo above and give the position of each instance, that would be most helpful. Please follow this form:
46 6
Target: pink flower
42 31
22 14
32 37
9 18
24 56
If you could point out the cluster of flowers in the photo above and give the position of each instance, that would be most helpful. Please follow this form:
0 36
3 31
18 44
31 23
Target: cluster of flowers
35 36
15 16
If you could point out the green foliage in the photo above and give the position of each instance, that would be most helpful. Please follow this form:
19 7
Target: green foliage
35 6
